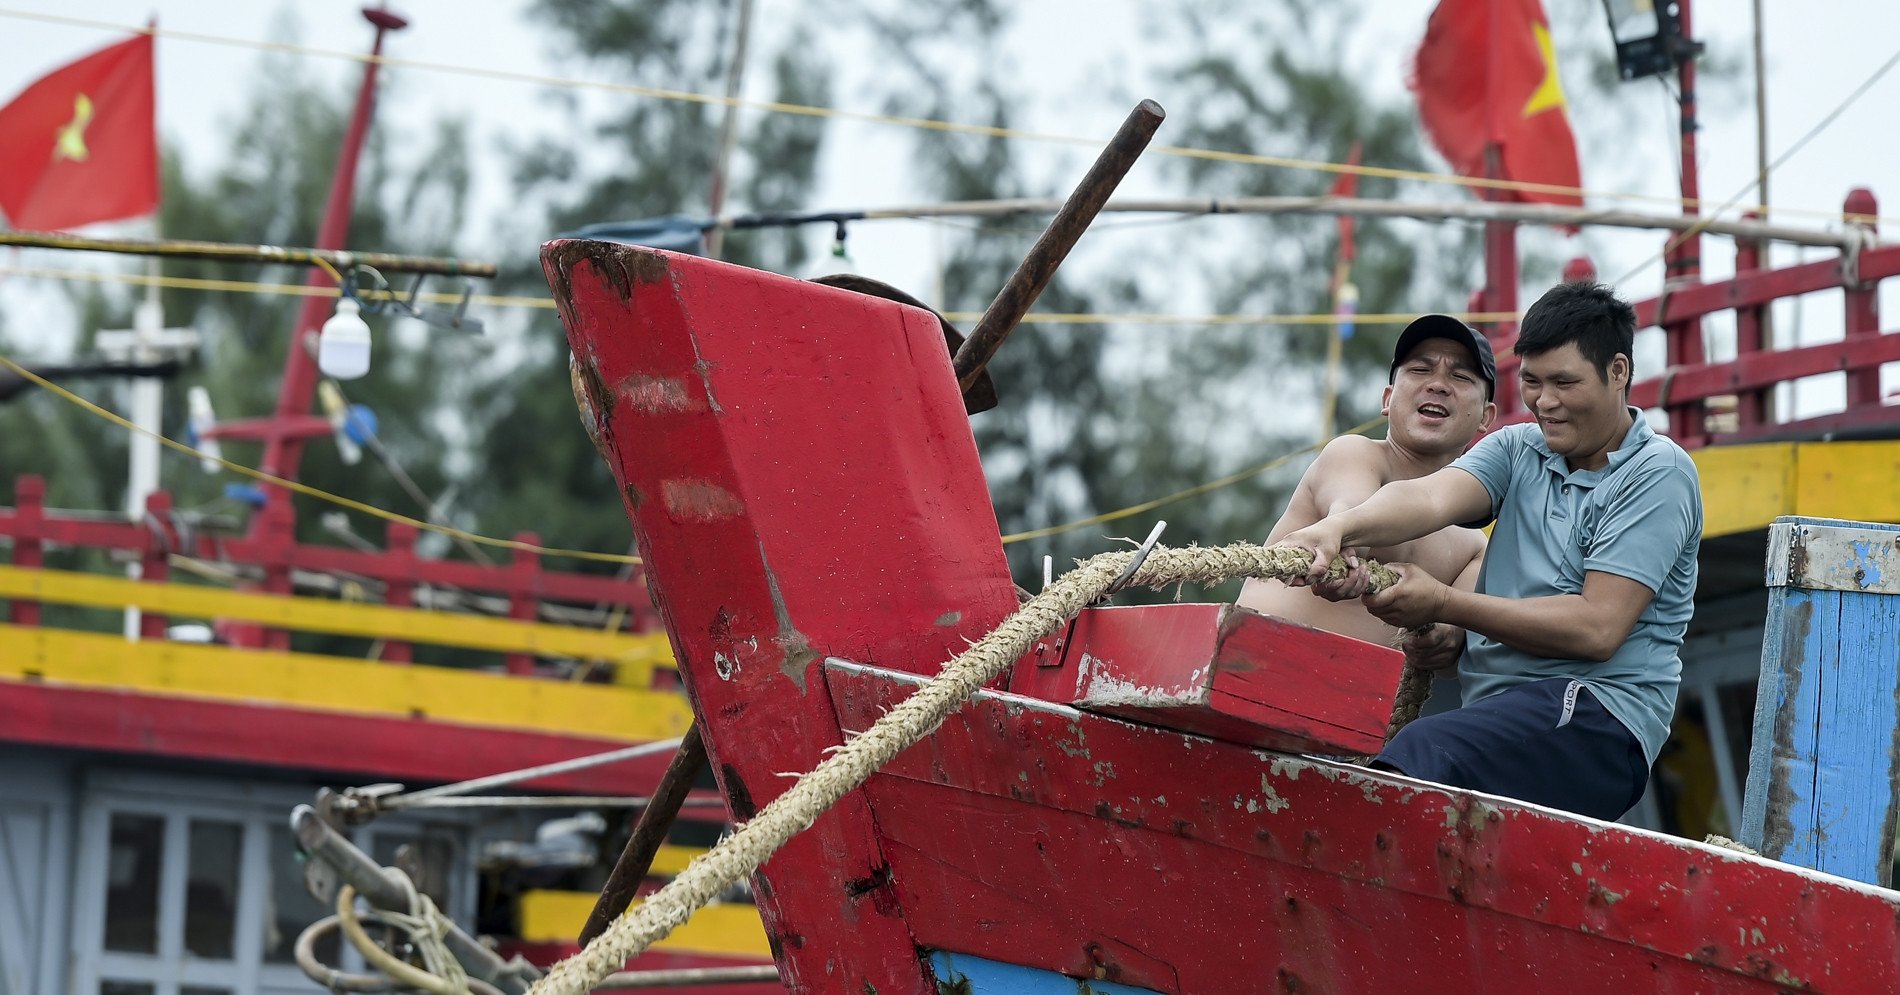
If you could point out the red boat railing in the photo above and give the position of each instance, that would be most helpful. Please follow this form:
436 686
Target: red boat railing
528 586
1709 403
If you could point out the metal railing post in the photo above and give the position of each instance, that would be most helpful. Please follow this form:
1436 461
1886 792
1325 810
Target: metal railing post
29 500
1862 299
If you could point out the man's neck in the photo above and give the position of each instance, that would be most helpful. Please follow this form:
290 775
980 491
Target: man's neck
1610 442
1404 463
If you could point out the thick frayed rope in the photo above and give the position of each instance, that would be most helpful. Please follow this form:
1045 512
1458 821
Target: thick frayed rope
911 720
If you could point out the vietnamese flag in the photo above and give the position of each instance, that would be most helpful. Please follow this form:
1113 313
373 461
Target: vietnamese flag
81 144
1486 74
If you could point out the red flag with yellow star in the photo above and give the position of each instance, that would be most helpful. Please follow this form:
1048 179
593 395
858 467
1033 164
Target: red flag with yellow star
81 144
1486 74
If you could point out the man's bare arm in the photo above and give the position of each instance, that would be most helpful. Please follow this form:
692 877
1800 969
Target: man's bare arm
1349 471
1401 511
1345 474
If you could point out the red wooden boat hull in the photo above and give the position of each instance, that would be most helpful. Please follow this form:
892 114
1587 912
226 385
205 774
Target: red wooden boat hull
805 490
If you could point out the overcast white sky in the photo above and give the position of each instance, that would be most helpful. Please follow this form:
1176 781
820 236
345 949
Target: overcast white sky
1818 52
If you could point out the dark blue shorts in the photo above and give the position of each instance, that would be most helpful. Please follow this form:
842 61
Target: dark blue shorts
1548 742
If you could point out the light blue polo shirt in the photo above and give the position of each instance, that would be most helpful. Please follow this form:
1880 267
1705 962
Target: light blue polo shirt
1639 517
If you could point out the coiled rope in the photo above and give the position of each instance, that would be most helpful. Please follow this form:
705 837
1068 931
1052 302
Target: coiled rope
910 721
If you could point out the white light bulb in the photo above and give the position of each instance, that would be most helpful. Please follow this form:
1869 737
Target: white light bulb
343 347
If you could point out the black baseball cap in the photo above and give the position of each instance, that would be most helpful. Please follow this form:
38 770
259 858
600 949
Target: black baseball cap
1444 326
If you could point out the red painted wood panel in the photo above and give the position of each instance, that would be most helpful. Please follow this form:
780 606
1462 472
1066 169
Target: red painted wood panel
1221 671
333 743
1762 369
802 481
1040 835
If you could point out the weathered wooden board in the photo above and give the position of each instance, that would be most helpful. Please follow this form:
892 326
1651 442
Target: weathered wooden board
1039 835
802 481
1221 671
1824 767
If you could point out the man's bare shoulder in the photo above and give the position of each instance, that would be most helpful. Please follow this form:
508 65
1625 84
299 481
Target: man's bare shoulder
1353 447
1351 453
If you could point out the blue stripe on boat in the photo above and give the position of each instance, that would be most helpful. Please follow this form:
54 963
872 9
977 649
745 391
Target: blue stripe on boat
968 975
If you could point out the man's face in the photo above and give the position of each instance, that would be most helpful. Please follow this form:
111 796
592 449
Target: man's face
1437 399
1578 409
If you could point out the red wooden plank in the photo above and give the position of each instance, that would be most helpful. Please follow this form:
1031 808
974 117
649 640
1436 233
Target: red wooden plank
1225 672
556 586
811 443
1762 369
355 747
1763 286
1039 835
1878 421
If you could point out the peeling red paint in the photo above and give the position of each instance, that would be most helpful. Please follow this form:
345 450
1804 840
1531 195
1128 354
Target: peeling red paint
699 501
658 395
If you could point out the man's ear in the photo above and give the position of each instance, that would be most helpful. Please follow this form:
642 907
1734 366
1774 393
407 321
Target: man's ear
1490 415
1620 372
1385 402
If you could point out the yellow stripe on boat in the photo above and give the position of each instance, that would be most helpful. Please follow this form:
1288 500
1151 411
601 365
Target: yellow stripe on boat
1746 487
304 680
628 651
729 930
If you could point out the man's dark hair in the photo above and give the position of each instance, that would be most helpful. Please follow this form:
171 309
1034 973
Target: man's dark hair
1589 314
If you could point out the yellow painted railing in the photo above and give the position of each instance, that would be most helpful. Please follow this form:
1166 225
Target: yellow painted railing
639 653
100 660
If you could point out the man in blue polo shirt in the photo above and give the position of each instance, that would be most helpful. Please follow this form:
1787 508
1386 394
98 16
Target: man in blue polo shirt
1570 665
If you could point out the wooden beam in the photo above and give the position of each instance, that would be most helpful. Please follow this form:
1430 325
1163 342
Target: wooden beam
285 738
362 687
1746 487
641 652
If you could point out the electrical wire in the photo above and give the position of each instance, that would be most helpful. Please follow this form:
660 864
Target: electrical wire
926 124
1789 153
303 488
547 304
1195 491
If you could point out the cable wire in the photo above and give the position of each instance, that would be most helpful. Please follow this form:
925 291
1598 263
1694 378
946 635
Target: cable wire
926 124
305 489
547 303
1195 491
1799 144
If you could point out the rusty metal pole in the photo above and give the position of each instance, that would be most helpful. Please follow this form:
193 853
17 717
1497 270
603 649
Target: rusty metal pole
649 831
1027 283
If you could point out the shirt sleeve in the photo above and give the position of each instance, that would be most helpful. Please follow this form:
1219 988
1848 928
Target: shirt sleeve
1646 525
1490 461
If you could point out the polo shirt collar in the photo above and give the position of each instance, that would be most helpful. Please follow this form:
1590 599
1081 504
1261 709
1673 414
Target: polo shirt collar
1633 440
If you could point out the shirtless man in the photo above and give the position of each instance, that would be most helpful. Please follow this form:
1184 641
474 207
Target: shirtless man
1442 381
